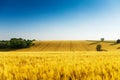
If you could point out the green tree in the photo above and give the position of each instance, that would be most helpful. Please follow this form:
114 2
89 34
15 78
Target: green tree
98 47
17 43
102 39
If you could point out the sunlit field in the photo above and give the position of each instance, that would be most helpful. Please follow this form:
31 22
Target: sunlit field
62 60
60 65
59 40
69 45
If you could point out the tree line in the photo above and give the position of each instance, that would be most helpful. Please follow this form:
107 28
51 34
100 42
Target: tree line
15 43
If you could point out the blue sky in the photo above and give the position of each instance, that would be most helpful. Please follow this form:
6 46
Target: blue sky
60 19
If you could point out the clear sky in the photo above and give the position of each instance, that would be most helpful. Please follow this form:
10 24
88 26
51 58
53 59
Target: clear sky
60 19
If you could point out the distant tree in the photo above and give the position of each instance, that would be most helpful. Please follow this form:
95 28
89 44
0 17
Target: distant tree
33 40
102 39
17 43
118 41
98 47
4 44
29 43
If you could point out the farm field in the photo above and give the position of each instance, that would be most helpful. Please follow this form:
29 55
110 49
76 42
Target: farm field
81 65
72 46
62 60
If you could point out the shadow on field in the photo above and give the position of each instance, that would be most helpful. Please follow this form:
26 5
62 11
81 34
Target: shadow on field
109 41
104 50
7 50
113 44
100 41
118 48
93 43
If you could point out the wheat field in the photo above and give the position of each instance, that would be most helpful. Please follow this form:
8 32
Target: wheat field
69 45
65 63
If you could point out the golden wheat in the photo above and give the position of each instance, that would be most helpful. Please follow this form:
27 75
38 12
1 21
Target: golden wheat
60 66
